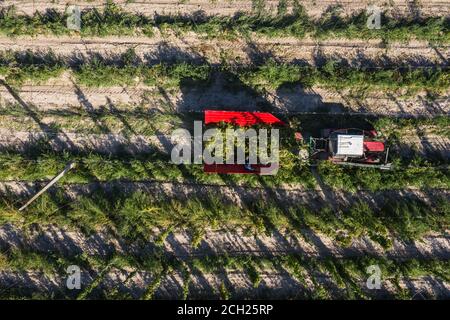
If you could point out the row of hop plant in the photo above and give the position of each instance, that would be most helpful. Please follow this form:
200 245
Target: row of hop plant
339 75
347 275
138 215
157 166
21 67
18 68
113 20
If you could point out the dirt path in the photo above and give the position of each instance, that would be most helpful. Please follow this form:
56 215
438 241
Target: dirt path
275 284
433 146
239 195
315 8
215 96
280 284
233 242
101 143
192 47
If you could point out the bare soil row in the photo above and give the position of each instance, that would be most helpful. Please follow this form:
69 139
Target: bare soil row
235 194
315 8
64 94
274 285
230 242
191 47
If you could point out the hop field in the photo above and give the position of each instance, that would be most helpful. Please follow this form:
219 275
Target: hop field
107 98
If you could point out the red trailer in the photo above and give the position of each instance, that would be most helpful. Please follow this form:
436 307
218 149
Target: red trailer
241 119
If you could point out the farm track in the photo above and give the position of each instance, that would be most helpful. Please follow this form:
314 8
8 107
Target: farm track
161 7
296 101
192 47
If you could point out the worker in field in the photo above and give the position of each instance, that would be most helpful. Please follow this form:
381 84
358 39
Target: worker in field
247 164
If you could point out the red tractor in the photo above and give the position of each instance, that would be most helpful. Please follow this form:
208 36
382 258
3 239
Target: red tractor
351 147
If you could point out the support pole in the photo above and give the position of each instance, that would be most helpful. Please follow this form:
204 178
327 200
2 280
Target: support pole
387 154
69 166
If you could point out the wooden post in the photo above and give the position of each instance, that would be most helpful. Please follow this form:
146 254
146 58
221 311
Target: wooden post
69 166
